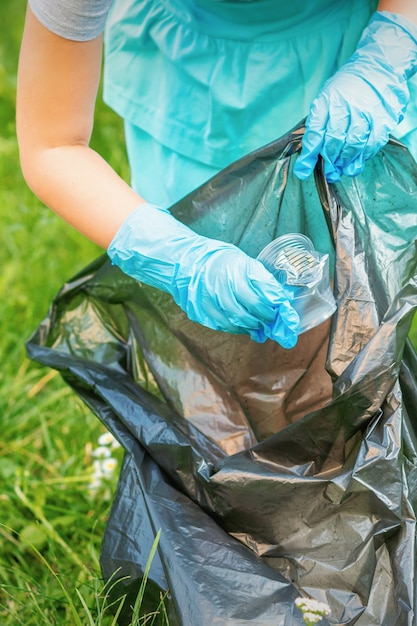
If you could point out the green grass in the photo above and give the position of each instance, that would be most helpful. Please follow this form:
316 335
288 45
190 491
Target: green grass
51 525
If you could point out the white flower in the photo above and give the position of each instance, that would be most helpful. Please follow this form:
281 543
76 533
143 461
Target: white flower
102 452
104 463
98 469
312 618
312 610
106 439
322 608
108 466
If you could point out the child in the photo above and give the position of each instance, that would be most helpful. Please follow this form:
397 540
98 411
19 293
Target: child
200 83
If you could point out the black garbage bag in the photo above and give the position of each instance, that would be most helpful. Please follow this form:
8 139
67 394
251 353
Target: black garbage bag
272 473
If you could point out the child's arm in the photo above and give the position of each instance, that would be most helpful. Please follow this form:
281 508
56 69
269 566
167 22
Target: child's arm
57 87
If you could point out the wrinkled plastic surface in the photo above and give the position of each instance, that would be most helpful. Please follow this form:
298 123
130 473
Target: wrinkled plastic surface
271 473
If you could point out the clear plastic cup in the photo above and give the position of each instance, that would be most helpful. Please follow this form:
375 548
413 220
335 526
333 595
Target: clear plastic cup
304 273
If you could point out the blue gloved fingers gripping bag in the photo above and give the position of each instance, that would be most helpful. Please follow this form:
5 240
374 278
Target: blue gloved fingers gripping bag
272 473
364 101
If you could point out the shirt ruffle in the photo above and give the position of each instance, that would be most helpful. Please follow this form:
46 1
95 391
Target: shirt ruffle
214 98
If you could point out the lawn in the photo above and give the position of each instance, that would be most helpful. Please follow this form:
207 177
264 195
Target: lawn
52 522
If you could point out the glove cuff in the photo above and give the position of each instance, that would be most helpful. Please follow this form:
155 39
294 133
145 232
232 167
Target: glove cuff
142 246
153 246
393 38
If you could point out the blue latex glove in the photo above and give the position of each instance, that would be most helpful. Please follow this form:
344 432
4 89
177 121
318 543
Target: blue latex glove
358 108
214 282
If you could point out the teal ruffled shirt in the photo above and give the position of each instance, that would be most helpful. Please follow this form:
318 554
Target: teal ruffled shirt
200 83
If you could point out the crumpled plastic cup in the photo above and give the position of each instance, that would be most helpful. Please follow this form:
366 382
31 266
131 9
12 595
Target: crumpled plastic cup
304 273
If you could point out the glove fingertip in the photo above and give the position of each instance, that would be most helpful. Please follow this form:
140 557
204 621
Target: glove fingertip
258 335
305 164
285 328
291 340
353 170
332 172
333 177
301 171
287 339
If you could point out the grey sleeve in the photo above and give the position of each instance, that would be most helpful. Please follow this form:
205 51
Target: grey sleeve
79 20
